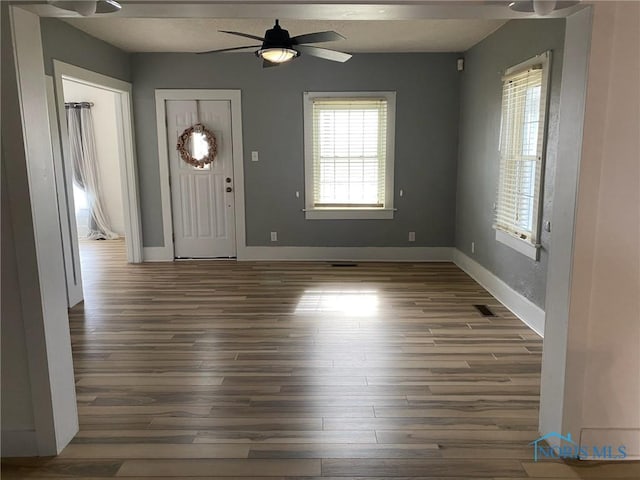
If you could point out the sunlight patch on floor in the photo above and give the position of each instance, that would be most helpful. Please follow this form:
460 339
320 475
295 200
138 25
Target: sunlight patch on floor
347 302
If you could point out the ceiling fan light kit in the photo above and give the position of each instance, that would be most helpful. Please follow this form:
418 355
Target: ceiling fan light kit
277 55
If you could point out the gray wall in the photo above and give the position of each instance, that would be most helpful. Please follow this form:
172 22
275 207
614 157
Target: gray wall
427 87
61 41
478 161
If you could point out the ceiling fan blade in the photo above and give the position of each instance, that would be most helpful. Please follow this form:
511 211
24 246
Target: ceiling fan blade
317 37
229 49
324 53
522 6
108 6
85 8
266 64
240 34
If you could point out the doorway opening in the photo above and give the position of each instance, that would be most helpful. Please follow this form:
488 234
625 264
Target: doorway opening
95 136
92 142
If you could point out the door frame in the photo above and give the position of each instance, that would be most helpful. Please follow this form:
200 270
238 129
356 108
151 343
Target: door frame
68 227
128 166
166 253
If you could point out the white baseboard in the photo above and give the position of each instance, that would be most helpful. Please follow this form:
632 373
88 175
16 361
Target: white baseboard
522 307
157 254
19 443
372 254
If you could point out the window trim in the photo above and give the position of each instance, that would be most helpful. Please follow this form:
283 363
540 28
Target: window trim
530 247
521 245
348 213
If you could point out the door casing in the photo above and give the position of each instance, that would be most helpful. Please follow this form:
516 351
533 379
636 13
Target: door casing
64 168
68 227
166 252
126 146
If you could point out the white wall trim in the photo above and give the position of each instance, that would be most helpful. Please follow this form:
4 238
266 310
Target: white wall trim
67 221
518 244
573 94
324 254
371 254
522 307
234 96
349 213
157 254
44 299
128 165
19 443
312 213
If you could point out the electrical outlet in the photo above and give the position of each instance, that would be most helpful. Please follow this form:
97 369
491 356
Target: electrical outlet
412 236
473 247
274 236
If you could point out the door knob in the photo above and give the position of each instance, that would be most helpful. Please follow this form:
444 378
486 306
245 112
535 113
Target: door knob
229 189
228 180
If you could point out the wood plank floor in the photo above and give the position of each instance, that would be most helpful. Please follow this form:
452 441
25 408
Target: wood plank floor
218 369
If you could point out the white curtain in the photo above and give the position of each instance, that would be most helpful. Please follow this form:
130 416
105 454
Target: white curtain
82 146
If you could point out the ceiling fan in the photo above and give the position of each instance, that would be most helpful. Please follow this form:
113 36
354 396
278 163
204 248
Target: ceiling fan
540 7
87 8
278 47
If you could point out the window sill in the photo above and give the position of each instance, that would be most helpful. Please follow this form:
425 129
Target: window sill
348 214
518 244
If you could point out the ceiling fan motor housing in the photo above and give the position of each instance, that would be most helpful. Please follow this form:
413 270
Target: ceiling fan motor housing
277 37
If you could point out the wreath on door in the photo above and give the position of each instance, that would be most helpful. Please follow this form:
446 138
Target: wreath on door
186 147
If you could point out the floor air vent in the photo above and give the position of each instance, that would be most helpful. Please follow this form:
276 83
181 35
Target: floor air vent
344 264
484 311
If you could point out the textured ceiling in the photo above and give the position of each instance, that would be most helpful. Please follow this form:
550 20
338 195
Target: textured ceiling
193 35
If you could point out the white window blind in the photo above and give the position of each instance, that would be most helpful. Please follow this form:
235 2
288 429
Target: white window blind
522 139
349 152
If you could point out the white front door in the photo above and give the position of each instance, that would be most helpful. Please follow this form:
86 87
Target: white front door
202 200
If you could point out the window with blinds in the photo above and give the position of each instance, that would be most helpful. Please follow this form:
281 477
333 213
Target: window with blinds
522 145
348 152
